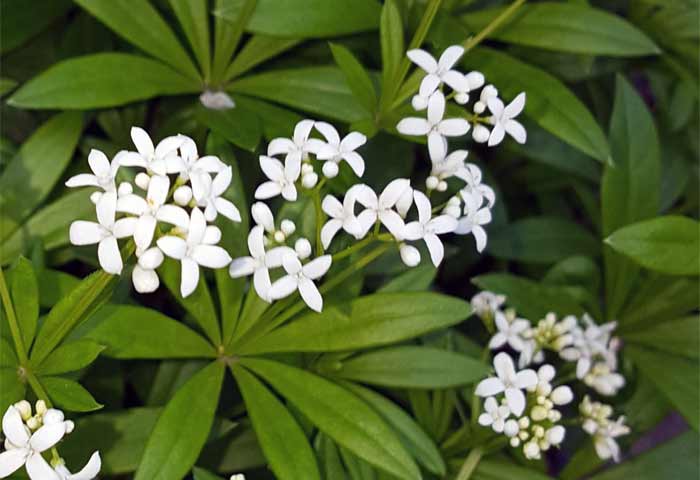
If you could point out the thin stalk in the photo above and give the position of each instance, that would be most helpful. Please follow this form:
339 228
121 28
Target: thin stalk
472 42
319 221
12 321
470 464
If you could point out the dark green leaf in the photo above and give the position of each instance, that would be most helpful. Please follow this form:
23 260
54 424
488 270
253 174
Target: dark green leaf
54 285
414 279
256 51
282 440
6 85
678 337
340 414
201 474
98 81
367 321
70 356
194 18
238 125
500 470
13 389
25 298
227 35
19 23
8 357
356 77
69 394
183 427
392 43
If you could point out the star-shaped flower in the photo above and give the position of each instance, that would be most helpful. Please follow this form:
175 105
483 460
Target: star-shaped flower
341 215
301 277
161 159
103 172
509 381
494 415
428 227
503 120
335 150
508 332
381 208
207 193
282 178
438 72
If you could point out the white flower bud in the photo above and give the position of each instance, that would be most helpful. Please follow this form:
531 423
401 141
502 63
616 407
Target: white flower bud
309 180
442 186
142 180
409 255
515 442
531 450
287 227
562 395
479 107
125 188
432 182
306 168
182 195
95 197
53 416
462 98
279 236
330 169
511 428
555 435
524 423
303 248
544 445
554 416
488 92
538 413
454 201
70 426
523 435
419 103
33 423
40 407
145 280
475 79
25 409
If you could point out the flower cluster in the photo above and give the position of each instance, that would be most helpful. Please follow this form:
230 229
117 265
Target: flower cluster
471 205
582 341
173 179
28 436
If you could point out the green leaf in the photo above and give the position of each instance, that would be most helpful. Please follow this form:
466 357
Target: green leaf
368 321
308 18
658 299
32 173
8 358
276 121
227 35
136 332
340 414
257 50
414 279
319 90
194 18
70 357
566 27
392 43
49 225
676 458
499 470
329 458
678 337
541 240
19 23
282 440
669 245
54 285
675 377
13 389
69 394
356 77
412 436
549 102
238 125
147 30
201 474
98 81
412 367
630 188
183 427
531 299
6 85
24 290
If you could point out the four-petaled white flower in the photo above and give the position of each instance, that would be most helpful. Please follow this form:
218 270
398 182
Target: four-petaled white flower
298 146
604 439
198 249
435 127
259 262
428 227
478 191
473 221
103 172
104 233
341 216
503 120
25 448
381 208
151 210
207 193
192 164
487 303
438 72
509 332
336 150
161 159
301 277
451 166
508 381
282 178
494 415
88 472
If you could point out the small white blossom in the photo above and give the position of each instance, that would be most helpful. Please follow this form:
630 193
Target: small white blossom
473 222
509 331
494 415
281 178
381 207
602 428
301 277
341 216
160 160
335 149
487 304
509 381
428 227
503 120
409 254
438 72
207 193
472 81
103 172
192 164
298 146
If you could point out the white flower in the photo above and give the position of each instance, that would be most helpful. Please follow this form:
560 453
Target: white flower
282 178
438 72
237 476
301 278
508 332
450 166
192 164
216 100
435 127
151 210
336 149
604 439
198 249
586 344
603 380
381 208
161 160
341 216
474 190
473 221
494 415
298 146
105 233
25 448
88 472
486 304
503 120
259 262
207 193
508 381
472 81
428 228
103 173
144 275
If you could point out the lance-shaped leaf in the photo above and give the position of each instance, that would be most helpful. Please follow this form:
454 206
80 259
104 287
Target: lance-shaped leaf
194 18
70 357
24 290
19 23
238 125
356 77
69 394
258 49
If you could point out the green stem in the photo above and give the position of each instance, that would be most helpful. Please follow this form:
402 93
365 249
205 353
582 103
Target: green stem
319 221
472 42
12 321
470 464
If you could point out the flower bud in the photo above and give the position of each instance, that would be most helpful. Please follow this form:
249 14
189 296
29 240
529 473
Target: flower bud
287 227
531 450
480 133
145 280
303 248
442 186
524 422
24 408
53 416
279 236
309 180
306 168
409 255
33 423
182 195
488 92
511 428
555 435
515 442
462 98
479 107
419 103
432 182
330 169
562 395
142 180
453 211
70 426
475 80
125 188
40 407
538 413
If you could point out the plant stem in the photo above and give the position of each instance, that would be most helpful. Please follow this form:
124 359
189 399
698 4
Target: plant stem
472 42
12 321
319 221
470 464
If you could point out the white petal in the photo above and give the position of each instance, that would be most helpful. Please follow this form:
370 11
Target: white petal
480 237
496 106
280 145
272 168
201 185
109 256
210 164
227 209
413 126
289 193
47 436
145 280
291 263
485 420
262 284
516 401
125 227
435 247
449 57
302 131
90 470
497 341
39 469
13 427
436 107
158 189
142 141
82 180
504 366
489 387
268 190
283 287
329 132
413 231
189 276
367 219
437 147
317 267
106 209
11 461
332 207
515 107
256 242
211 256
393 222
356 162
310 294
212 235
392 192
85 233
262 215
197 227
428 85
292 166
352 141
329 230
132 204
169 145
242 267
516 130
423 205
132 159
423 59
327 151
99 163
453 127
275 257
174 247
222 181
151 258
490 405
526 379
456 81
145 228
365 195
